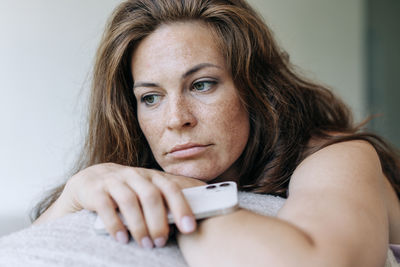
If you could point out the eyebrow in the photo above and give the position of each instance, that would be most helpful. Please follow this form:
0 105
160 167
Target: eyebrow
191 71
197 68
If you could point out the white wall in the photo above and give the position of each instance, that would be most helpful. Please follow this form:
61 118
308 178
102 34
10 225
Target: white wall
46 51
326 39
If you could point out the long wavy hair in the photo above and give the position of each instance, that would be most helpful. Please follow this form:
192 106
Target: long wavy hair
286 110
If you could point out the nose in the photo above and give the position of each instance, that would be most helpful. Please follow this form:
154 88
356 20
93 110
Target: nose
180 114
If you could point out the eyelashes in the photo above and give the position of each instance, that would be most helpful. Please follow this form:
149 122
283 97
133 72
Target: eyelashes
204 86
200 86
150 99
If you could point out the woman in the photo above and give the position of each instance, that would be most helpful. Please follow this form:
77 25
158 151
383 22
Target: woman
191 92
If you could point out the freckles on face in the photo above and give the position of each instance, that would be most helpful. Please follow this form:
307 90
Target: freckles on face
224 125
188 107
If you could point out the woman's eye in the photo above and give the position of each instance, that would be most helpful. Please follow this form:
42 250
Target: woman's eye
203 86
150 100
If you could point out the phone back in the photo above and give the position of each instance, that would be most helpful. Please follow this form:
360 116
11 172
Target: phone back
205 201
211 200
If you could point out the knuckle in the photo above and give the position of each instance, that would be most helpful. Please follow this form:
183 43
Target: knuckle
172 187
102 203
151 195
108 164
127 200
109 182
131 172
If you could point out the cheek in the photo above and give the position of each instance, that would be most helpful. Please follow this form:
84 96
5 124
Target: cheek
234 118
231 127
238 129
150 127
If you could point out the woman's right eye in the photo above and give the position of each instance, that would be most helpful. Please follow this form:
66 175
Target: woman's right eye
151 99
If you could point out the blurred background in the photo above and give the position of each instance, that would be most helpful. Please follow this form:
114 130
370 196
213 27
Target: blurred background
46 54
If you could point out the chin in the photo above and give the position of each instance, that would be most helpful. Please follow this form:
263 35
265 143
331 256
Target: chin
201 173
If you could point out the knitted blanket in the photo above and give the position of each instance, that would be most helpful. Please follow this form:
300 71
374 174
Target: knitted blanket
71 241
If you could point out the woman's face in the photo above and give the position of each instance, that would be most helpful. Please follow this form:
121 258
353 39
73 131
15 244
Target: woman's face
187 105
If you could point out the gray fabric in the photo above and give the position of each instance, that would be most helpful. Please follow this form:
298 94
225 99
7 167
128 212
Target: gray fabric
71 241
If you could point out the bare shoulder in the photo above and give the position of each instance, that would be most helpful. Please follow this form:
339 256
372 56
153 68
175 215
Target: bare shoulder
337 196
345 158
349 169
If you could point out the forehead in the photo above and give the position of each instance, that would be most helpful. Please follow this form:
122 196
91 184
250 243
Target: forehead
176 45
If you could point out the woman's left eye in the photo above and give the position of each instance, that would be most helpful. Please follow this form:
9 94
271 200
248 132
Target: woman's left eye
203 86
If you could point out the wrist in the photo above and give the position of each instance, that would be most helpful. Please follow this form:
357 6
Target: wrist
56 210
216 221
61 206
223 219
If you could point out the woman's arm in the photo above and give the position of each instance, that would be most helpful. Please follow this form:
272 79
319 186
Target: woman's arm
335 216
142 196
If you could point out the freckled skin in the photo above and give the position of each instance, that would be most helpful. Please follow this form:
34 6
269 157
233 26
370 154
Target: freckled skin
214 117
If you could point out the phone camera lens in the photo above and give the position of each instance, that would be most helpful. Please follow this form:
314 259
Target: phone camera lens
211 187
224 184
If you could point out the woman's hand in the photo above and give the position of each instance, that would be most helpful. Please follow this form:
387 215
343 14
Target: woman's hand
141 195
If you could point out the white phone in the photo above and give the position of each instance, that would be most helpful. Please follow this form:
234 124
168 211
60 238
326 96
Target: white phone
205 201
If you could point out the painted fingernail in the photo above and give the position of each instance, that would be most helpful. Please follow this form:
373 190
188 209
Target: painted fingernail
122 237
160 242
147 243
188 224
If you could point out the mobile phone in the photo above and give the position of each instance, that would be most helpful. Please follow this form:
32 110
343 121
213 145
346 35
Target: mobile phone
205 201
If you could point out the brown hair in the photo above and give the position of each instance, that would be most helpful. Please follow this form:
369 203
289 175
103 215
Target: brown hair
285 109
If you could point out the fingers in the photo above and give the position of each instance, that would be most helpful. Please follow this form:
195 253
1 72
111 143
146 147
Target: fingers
130 208
105 208
143 197
153 207
177 203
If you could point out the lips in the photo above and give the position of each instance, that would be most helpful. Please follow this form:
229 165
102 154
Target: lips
185 146
187 150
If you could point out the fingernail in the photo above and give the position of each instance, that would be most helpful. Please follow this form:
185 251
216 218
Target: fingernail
188 224
160 242
147 243
122 237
